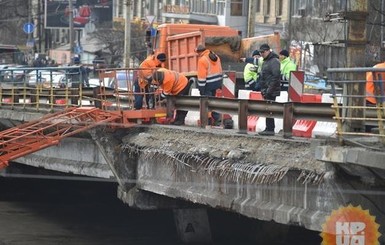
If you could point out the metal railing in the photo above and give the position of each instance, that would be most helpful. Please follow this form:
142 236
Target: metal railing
41 87
354 114
113 89
37 97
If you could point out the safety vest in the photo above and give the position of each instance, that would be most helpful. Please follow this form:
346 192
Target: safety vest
249 75
379 76
148 66
209 72
173 82
286 67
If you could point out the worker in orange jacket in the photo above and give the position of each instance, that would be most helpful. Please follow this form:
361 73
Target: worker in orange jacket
145 77
210 77
380 78
173 83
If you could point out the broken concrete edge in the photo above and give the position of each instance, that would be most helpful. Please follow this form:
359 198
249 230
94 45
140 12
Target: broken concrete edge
223 146
68 166
351 155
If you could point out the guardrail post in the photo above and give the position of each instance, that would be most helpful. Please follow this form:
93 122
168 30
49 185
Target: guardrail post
204 110
98 99
76 94
14 97
243 107
288 120
337 115
170 105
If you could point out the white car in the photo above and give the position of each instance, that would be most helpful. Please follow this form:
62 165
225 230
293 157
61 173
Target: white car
47 79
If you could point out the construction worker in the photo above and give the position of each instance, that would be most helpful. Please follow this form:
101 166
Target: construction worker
210 77
270 81
172 83
81 74
287 65
252 70
145 78
379 77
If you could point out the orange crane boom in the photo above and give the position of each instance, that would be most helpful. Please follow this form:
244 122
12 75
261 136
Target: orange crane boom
48 131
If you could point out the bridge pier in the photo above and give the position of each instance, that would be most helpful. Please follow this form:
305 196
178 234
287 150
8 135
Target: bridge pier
193 225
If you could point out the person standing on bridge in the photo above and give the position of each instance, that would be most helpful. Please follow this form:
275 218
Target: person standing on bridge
145 78
252 70
270 82
378 80
173 83
210 76
287 66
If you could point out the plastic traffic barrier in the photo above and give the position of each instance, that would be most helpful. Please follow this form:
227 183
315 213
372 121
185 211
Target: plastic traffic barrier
304 128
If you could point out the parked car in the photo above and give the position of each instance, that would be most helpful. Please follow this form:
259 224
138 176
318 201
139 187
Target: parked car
123 81
13 73
47 79
16 73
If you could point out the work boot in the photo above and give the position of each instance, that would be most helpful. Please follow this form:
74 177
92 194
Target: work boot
228 123
266 133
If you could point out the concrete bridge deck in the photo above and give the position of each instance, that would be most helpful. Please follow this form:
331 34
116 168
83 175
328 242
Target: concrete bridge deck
290 181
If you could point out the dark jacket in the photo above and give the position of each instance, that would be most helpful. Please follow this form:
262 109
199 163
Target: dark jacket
270 77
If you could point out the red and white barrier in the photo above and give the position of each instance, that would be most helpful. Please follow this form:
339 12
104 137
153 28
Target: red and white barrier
325 129
256 123
252 120
228 87
193 117
297 79
304 128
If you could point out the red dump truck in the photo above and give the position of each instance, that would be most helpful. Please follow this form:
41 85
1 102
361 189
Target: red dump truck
178 41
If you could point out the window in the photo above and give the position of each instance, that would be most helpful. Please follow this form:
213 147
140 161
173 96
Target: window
220 9
317 8
299 7
236 8
267 8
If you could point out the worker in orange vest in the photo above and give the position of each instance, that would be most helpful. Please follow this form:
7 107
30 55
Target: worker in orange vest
173 83
210 77
370 91
145 77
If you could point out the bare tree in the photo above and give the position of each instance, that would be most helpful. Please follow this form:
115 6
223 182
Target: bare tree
113 41
376 23
320 43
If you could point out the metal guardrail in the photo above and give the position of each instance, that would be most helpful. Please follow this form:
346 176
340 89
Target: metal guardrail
289 111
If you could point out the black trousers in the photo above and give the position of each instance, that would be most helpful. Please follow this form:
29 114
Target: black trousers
270 124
